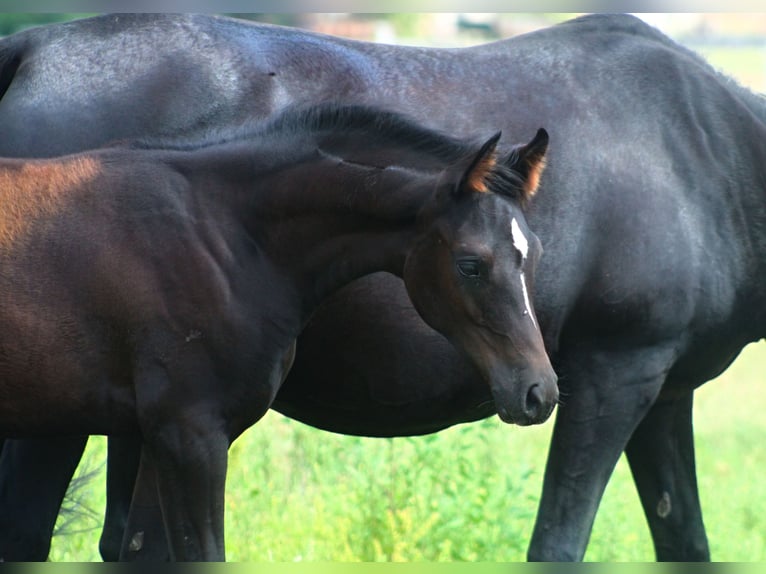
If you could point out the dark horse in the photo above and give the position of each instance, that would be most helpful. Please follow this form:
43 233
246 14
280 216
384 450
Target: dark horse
650 212
159 290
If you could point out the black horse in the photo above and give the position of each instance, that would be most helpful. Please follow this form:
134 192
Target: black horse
158 290
650 213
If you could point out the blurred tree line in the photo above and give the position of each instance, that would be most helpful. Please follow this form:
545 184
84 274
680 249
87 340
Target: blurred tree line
11 22
405 25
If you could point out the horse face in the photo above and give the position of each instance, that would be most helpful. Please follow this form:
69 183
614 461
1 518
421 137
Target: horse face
470 277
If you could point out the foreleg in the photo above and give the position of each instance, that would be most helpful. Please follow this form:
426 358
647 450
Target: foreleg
604 396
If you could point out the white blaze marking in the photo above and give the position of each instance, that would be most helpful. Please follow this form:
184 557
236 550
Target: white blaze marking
519 239
520 242
526 300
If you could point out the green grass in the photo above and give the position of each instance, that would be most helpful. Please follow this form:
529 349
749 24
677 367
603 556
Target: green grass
467 493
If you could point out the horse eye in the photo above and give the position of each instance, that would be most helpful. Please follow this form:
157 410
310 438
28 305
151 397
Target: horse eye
469 266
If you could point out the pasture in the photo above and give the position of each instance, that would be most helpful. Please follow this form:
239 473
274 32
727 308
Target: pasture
468 493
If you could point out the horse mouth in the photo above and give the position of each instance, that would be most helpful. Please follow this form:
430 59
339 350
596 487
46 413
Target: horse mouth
521 420
535 408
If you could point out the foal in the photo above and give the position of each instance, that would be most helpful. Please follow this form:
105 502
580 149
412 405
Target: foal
157 289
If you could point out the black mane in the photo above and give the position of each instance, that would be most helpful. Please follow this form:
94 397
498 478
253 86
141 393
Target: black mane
314 120
294 121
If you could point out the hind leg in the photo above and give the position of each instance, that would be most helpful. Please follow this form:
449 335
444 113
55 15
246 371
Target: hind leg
661 457
34 476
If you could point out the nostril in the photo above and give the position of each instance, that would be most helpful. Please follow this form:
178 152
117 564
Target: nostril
534 403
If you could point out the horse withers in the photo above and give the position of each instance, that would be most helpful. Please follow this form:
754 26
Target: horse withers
156 289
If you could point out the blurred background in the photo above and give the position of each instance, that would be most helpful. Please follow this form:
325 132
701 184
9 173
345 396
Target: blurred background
469 492
735 42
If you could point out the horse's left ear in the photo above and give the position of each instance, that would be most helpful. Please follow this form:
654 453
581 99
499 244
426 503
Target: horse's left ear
528 161
481 164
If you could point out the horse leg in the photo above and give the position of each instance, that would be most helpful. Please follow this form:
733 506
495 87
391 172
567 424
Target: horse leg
144 538
144 534
661 457
34 476
121 469
190 461
188 415
593 425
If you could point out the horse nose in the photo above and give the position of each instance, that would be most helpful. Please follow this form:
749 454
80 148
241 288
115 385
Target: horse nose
539 402
534 407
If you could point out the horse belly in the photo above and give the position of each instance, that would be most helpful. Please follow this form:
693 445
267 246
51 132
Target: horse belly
708 354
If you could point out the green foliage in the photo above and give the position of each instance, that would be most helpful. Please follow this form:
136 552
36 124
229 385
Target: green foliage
351 498
11 22
467 493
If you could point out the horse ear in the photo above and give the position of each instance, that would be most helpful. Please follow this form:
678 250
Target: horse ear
479 166
529 162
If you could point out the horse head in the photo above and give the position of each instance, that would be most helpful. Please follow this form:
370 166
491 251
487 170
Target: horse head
470 274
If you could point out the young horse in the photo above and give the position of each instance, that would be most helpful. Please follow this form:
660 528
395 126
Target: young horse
159 290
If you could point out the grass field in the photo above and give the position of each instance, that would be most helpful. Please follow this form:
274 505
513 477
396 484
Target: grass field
468 493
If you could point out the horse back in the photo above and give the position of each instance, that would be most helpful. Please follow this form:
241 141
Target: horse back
163 75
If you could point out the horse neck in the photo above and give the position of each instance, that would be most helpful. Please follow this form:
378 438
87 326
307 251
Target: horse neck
325 222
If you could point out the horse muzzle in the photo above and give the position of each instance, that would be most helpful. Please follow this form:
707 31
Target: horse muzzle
527 398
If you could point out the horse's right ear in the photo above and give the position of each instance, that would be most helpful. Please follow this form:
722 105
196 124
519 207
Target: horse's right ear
529 162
